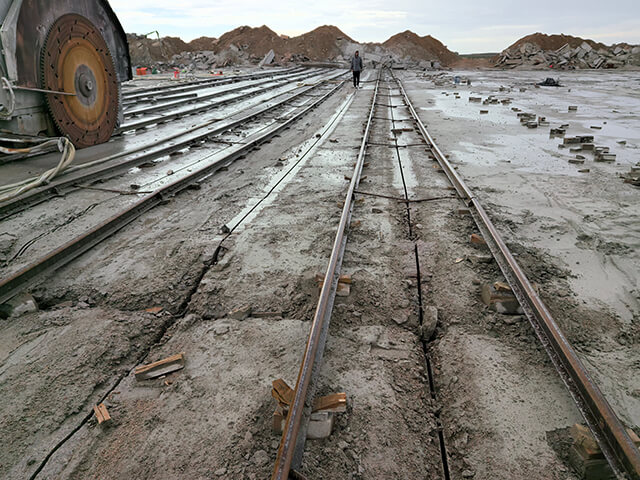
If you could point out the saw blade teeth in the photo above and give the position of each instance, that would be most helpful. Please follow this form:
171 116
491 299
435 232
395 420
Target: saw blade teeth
76 59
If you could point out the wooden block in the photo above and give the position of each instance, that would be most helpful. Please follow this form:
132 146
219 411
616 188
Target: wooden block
154 309
344 280
502 301
161 367
101 413
282 392
336 402
477 239
464 211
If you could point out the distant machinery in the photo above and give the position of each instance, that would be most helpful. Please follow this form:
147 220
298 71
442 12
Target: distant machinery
61 65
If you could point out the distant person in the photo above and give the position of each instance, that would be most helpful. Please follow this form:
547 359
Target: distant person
356 68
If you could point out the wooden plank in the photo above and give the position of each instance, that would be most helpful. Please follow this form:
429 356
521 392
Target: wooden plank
161 367
336 402
282 392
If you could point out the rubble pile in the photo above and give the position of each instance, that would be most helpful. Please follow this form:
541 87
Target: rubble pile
249 46
541 50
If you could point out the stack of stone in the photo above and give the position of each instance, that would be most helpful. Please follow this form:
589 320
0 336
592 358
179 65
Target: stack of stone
565 57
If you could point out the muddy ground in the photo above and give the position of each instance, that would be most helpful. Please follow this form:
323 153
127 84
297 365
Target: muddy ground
496 395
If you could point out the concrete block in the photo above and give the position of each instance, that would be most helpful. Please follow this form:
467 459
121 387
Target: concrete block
268 58
586 47
18 305
320 425
429 322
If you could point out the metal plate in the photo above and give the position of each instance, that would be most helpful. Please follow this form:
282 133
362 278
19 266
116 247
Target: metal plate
76 59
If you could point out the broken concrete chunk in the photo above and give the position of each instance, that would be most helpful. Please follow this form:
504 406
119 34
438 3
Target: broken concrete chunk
429 322
18 305
161 367
6 244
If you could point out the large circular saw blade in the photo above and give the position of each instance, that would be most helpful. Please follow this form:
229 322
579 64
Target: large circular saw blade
76 59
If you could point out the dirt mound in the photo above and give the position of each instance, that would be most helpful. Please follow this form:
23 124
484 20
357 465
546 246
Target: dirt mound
255 41
554 42
202 43
145 51
322 43
410 44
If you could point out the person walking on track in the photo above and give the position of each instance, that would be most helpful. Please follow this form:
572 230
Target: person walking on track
356 68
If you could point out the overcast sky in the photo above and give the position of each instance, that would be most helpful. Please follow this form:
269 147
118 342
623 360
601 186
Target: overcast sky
465 26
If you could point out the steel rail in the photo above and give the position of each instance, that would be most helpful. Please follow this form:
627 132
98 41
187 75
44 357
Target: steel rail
142 154
194 85
33 273
263 85
294 434
616 445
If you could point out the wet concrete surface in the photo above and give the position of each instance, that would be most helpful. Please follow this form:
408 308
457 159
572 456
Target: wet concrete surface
497 395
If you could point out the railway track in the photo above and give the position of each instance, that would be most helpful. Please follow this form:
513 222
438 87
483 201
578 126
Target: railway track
253 89
147 93
209 163
610 433
617 446
112 165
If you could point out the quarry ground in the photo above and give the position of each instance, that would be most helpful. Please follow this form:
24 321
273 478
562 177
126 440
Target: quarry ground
504 410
